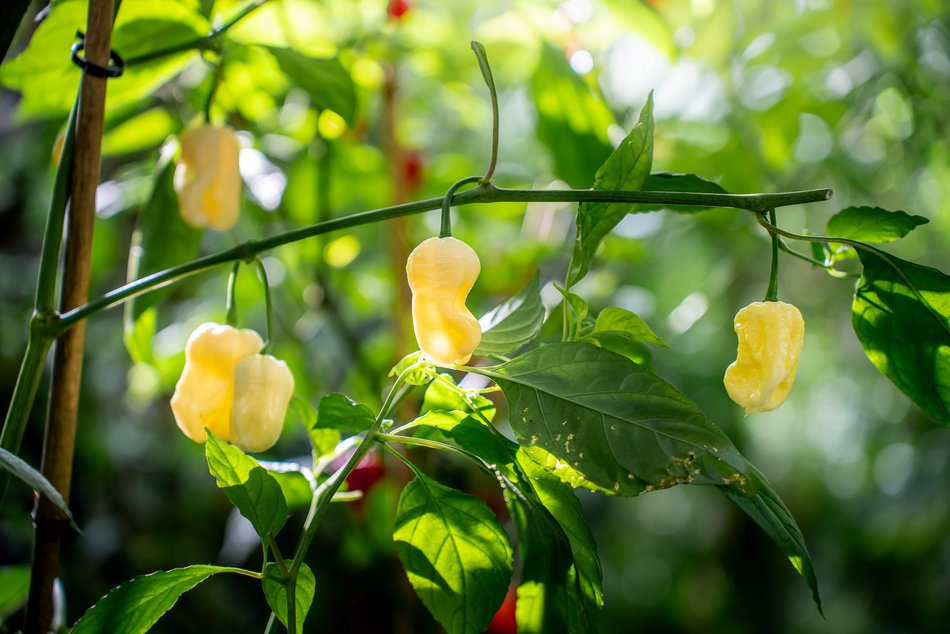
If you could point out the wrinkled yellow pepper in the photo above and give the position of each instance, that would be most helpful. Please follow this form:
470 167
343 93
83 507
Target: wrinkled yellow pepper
207 179
771 335
228 387
441 272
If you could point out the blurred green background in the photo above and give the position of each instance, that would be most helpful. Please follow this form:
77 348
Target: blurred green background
757 95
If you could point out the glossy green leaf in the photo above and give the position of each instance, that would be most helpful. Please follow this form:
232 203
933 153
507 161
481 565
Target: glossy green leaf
337 411
249 486
325 80
872 224
513 323
276 594
136 605
572 118
901 315
613 426
579 309
456 555
34 479
627 168
621 321
669 182
14 589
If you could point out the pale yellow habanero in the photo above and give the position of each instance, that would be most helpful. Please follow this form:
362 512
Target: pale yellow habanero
771 335
441 273
228 387
208 179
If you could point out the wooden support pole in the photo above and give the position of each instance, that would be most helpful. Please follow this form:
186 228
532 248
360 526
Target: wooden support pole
59 441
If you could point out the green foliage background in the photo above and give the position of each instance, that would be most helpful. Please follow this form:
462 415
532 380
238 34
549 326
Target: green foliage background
756 95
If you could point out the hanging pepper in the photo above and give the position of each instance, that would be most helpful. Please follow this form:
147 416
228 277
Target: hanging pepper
207 179
228 387
771 335
441 272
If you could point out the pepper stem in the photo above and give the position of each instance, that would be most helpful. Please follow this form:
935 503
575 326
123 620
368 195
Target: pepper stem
446 231
231 305
268 307
771 295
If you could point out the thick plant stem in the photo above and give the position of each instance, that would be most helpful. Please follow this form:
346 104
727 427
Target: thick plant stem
59 440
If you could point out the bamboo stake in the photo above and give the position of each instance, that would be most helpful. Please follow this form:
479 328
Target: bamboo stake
49 522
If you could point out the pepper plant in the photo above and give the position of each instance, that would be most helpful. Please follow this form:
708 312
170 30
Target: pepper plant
575 389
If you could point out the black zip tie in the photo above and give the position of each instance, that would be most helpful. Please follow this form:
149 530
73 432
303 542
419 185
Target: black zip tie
115 69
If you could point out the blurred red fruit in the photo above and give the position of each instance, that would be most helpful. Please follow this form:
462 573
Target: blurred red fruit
398 8
504 621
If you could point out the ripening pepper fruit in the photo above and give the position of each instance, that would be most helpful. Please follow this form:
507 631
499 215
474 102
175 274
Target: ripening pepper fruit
207 179
441 272
771 335
228 387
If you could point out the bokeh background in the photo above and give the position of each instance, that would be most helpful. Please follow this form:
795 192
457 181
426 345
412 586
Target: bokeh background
757 95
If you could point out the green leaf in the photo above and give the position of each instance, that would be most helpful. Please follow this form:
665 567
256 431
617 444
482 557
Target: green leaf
872 224
296 483
421 376
276 593
48 79
613 426
14 589
442 397
337 411
668 182
901 315
627 168
136 605
582 578
249 486
34 479
143 131
579 310
627 323
754 495
11 14
514 323
456 555
325 80
572 118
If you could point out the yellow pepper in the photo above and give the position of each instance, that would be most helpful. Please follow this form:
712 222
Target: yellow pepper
263 386
207 179
771 335
441 272
228 387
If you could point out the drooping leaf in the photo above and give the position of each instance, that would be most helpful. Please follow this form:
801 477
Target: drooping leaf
456 555
669 182
249 486
585 576
514 323
613 426
561 582
337 411
572 118
14 589
325 80
901 315
627 168
34 479
872 224
136 605
276 594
